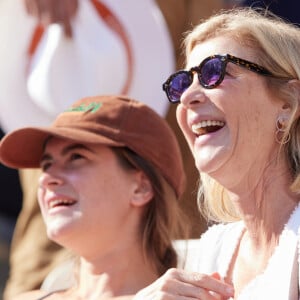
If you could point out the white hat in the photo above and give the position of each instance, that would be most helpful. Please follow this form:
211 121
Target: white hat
118 46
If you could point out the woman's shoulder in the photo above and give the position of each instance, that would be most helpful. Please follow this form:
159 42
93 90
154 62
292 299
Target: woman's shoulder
220 232
33 295
40 295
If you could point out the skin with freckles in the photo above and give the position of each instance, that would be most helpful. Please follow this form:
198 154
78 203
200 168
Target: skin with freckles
247 174
249 119
244 112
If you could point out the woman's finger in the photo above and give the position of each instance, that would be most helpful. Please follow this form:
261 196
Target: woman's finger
179 284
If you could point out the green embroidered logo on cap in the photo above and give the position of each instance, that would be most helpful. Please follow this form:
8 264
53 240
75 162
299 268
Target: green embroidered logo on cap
92 107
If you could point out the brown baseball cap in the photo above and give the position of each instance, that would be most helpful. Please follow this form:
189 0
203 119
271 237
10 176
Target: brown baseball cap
109 120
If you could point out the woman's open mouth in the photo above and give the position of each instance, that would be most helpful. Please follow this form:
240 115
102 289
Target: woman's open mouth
207 126
61 202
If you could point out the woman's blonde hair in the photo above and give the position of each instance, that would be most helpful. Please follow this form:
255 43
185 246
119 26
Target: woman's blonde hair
276 45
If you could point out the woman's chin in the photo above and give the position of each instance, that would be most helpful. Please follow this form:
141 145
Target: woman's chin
208 163
58 232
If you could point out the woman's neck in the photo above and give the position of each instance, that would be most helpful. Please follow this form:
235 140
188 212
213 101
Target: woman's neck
266 208
118 273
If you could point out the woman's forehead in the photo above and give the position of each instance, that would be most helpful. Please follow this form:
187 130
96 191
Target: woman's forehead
218 45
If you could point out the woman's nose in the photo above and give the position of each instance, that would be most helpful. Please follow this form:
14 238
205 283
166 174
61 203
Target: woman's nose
50 179
194 94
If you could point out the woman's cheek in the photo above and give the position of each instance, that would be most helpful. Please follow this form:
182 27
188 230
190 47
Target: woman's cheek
181 116
40 198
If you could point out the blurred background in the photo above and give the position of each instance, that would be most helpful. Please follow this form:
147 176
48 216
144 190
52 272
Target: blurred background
50 59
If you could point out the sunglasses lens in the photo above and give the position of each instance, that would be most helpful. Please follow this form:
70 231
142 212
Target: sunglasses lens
211 72
178 84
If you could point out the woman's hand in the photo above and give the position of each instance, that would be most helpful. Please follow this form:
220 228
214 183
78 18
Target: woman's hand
53 11
179 284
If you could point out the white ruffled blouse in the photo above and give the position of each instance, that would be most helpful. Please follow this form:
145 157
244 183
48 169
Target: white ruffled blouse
280 280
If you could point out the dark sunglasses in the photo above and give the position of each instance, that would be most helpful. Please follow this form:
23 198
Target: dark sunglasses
211 72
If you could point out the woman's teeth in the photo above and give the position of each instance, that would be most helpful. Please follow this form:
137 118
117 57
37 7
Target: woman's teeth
59 202
207 126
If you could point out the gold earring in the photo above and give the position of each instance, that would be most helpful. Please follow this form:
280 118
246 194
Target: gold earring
280 136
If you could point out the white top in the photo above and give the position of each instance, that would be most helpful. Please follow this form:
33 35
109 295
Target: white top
280 280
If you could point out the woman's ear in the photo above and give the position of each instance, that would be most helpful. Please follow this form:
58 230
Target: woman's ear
294 95
295 89
143 192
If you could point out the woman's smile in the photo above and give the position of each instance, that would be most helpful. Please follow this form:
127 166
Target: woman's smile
207 126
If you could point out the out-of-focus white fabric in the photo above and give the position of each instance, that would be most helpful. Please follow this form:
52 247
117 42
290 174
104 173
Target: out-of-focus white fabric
33 90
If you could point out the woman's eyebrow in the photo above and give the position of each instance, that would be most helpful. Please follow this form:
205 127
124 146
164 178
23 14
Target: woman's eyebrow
76 146
65 150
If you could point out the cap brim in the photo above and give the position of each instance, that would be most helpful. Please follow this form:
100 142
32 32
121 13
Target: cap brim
24 148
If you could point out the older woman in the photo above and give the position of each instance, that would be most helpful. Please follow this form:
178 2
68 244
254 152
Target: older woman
107 192
239 111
